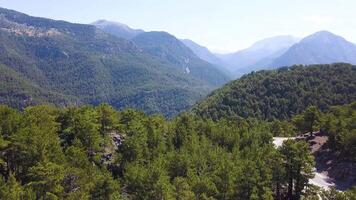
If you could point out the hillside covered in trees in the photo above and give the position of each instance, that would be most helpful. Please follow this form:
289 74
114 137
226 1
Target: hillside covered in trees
167 47
281 93
221 150
62 63
99 153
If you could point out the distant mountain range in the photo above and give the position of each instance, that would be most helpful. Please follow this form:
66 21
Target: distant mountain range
57 62
124 31
180 53
259 55
320 48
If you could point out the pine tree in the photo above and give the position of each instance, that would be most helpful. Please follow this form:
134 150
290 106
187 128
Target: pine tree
11 189
299 164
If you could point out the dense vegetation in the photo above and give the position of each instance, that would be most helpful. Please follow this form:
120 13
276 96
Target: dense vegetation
99 153
281 93
221 151
48 61
340 125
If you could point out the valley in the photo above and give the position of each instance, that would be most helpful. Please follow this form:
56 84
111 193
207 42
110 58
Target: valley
81 64
103 111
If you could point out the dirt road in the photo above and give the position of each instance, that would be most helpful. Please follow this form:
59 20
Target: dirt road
321 179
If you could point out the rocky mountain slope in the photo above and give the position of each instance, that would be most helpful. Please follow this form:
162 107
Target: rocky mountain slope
49 61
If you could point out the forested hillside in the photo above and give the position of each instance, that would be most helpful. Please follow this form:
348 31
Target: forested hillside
339 124
204 53
168 48
185 55
48 61
98 153
281 93
220 150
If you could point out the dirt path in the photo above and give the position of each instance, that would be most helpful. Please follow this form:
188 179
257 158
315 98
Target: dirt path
320 179
278 141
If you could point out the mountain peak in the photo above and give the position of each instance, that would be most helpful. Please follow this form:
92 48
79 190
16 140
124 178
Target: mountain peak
104 22
89 66
322 47
259 55
116 28
324 37
323 33
275 43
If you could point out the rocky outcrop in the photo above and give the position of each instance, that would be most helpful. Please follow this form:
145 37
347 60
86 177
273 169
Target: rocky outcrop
342 173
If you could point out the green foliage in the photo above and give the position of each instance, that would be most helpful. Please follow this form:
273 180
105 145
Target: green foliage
36 140
281 93
282 128
92 152
334 194
308 121
9 120
182 189
84 126
100 153
48 163
108 118
43 61
11 189
299 165
339 124
170 49
105 188
220 151
46 179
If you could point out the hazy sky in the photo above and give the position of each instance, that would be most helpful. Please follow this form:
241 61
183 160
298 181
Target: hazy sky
225 25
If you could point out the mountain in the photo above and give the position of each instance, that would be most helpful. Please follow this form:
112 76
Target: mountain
57 62
319 48
122 30
117 29
259 55
281 93
164 46
203 52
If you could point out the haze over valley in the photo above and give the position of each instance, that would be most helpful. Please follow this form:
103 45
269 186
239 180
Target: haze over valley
91 108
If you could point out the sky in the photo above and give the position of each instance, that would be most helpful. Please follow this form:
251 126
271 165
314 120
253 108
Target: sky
222 26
